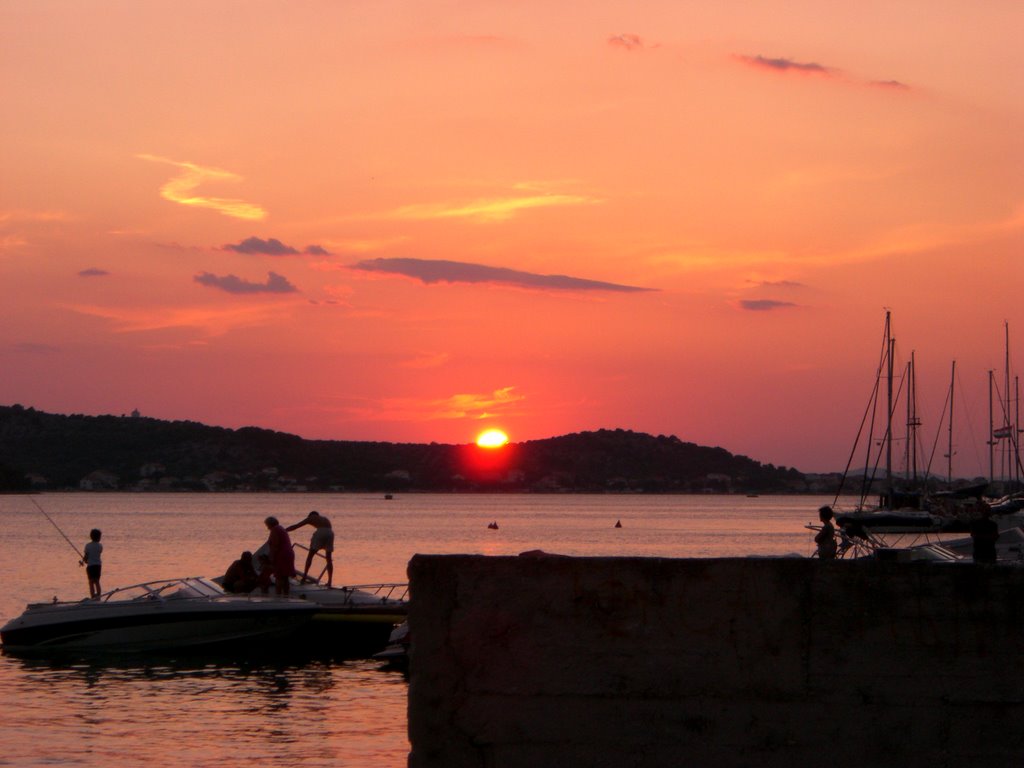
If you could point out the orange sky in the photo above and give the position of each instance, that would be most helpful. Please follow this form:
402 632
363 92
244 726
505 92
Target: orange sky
411 221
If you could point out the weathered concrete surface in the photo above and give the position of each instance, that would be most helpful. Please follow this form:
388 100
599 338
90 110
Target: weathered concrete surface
734 662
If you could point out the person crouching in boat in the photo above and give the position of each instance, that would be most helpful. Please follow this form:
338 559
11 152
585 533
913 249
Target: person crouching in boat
322 540
826 537
282 556
241 575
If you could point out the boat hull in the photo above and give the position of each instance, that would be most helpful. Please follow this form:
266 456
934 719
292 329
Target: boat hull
163 626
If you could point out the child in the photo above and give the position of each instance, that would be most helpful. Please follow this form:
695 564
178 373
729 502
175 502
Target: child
826 537
93 563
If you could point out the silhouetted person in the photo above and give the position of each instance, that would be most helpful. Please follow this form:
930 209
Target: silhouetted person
282 556
241 575
322 540
93 562
826 537
984 534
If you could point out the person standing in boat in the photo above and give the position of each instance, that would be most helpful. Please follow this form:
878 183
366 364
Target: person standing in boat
92 558
826 537
322 540
282 556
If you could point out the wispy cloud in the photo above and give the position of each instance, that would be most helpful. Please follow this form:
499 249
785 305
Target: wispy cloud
272 247
442 271
233 284
764 305
776 283
464 405
181 189
792 66
93 272
19 215
895 85
628 41
489 209
34 348
209 321
787 65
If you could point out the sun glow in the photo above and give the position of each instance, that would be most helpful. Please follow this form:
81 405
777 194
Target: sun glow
491 438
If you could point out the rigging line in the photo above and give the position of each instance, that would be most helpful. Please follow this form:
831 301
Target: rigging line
856 443
70 543
886 437
967 411
868 419
935 444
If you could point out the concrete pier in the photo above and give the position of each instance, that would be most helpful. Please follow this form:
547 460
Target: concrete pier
638 662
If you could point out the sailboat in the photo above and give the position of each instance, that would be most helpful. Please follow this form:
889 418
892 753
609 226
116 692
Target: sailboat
907 508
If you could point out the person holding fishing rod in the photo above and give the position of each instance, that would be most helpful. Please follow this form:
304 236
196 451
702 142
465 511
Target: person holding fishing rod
93 562
90 558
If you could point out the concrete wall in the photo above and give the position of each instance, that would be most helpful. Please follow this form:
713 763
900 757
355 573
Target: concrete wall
552 661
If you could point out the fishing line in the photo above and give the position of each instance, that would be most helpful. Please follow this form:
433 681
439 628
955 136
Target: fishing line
70 543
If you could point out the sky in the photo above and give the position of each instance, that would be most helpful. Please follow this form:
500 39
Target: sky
412 221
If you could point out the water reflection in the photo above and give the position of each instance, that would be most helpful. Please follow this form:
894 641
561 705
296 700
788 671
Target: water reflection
308 713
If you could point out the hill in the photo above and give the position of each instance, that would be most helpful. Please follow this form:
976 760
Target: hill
56 452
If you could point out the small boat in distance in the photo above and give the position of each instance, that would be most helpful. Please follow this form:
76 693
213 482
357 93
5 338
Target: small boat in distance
171 614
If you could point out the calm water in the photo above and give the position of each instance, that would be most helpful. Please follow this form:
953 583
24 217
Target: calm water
320 713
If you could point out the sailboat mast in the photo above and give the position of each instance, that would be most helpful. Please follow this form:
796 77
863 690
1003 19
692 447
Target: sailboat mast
949 464
1006 374
991 432
912 421
1017 432
888 411
909 417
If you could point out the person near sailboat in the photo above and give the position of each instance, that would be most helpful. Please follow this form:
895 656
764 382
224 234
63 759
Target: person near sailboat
826 537
984 534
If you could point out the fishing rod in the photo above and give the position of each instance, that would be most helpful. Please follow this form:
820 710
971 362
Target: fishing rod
70 543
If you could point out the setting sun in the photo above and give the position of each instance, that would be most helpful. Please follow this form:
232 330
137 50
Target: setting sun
491 438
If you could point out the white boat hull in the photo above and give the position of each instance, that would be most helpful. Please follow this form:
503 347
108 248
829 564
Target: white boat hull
154 621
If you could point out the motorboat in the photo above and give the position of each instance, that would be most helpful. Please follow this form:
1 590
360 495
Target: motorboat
387 603
353 621
172 614
396 653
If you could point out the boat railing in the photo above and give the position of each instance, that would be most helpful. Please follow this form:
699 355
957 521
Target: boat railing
387 593
188 586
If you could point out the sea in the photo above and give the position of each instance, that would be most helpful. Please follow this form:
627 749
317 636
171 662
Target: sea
286 711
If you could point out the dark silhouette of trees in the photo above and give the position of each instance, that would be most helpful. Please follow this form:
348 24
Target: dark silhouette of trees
133 452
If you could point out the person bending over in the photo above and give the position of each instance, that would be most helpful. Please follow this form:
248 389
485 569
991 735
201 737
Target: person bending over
322 540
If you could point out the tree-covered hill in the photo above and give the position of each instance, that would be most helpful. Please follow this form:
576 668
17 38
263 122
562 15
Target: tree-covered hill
51 451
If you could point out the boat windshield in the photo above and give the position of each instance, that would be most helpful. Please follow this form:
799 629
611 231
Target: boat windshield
189 587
